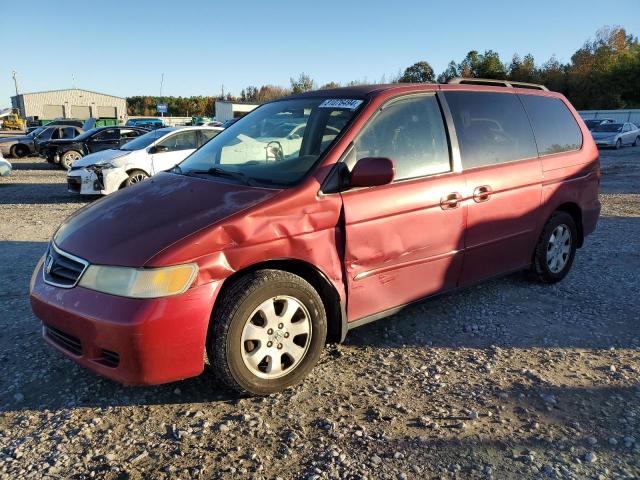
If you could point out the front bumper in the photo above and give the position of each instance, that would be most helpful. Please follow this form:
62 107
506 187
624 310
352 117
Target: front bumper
92 182
131 341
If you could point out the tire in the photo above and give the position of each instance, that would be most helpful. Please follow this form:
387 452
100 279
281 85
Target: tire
68 158
545 268
20 151
240 326
636 142
135 176
618 144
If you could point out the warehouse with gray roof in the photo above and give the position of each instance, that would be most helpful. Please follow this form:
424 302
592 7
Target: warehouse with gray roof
69 103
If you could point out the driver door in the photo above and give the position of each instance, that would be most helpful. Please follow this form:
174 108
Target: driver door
176 148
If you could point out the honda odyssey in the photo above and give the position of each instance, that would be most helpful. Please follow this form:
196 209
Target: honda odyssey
256 257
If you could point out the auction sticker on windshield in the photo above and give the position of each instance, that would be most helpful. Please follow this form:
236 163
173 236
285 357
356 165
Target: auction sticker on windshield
341 103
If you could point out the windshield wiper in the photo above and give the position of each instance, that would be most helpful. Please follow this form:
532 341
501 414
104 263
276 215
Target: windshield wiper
221 172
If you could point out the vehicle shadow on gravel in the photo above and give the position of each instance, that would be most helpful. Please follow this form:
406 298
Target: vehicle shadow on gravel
35 165
515 312
38 193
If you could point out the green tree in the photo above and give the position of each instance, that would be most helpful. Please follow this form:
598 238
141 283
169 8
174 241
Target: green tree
304 83
329 85
419 72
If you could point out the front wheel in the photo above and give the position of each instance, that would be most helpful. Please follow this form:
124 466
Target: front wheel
69 158
636 142
619 144
20 151
135 176
556 248
267 333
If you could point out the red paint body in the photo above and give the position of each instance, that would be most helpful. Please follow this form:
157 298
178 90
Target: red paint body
378 248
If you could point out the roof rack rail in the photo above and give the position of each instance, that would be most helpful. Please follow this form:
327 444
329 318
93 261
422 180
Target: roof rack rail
490 81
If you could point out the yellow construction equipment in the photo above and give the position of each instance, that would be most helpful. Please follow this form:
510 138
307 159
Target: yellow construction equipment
13 121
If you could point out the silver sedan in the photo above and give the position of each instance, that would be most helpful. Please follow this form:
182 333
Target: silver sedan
616 134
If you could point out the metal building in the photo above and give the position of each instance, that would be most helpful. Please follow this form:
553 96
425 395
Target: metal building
227 110
70 103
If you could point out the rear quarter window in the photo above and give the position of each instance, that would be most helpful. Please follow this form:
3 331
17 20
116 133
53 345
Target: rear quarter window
554 127
491 128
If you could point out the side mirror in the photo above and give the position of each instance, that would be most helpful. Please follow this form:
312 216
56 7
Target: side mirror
372 171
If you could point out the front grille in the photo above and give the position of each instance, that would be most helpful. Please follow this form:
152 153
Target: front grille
109 358
64 340
62 269
74 184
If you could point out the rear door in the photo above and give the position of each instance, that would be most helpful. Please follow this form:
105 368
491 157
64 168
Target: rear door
503 182
178 146
404 241
104 140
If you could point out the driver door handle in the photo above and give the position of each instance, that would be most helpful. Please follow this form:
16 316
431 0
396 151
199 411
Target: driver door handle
482 193
450 201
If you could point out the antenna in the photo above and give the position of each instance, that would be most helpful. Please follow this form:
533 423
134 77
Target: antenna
73 80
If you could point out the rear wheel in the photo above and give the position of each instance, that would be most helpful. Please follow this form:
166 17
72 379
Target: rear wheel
69 158
556 248
637 141
267 333
619 144
135 176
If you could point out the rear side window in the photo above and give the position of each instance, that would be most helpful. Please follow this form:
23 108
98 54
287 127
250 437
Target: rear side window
553 125
491 128
411 133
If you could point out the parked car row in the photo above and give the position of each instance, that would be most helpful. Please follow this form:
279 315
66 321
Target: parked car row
30 144
133 161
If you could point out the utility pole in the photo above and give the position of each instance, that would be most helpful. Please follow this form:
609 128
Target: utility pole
161 83
14 74
223 91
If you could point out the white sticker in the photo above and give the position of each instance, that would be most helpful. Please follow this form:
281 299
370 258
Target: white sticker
341 103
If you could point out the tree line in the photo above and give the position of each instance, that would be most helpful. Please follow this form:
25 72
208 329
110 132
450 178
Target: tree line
603 74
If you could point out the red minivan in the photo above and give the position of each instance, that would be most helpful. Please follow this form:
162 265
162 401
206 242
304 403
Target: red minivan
312 215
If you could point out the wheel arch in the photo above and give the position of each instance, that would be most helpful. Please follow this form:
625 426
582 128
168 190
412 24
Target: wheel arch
575 211
334 307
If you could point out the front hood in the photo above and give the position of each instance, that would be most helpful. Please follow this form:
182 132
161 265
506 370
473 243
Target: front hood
102 156
21 138
132 225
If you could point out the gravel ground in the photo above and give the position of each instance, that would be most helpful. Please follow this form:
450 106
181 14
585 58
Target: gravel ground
508 379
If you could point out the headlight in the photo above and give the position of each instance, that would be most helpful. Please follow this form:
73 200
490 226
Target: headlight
139 282
34 275
101 166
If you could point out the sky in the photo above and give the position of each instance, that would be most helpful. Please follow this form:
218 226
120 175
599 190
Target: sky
123 48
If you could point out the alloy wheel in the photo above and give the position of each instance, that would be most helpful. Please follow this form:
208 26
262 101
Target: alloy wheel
276 337
559 248
137 178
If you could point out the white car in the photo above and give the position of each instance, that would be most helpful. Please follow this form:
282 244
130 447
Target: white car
5 167
616 134
104 172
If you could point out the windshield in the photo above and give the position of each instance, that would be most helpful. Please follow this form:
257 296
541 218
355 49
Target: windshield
608 127
143 141
35 132
87 134
592 123
277 143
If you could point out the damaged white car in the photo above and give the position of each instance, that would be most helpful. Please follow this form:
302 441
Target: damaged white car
104 172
